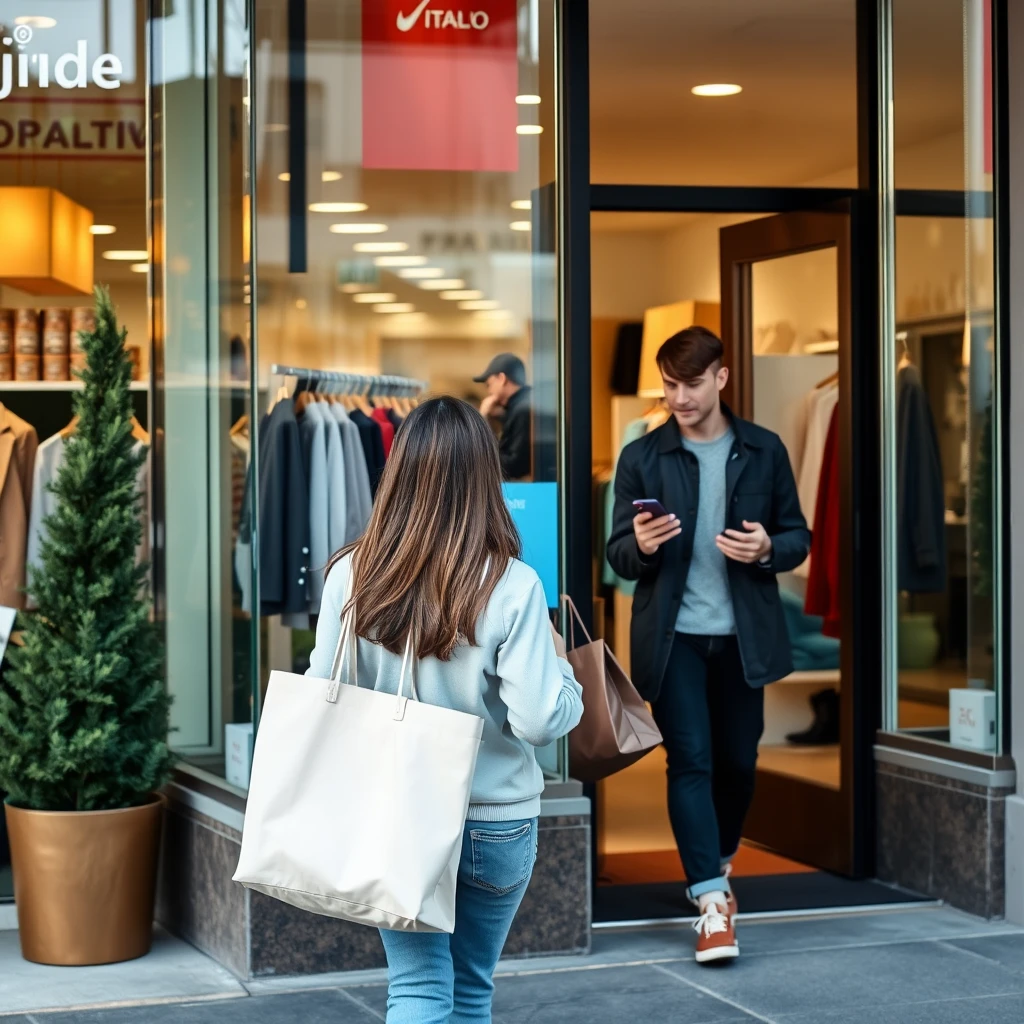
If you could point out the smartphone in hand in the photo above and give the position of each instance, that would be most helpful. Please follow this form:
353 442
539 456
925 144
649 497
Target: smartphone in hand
651 505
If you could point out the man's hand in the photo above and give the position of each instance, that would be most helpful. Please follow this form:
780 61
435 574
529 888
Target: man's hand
559 642
651 533
487 406
752 544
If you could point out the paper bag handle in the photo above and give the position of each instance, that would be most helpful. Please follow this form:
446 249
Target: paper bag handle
574 616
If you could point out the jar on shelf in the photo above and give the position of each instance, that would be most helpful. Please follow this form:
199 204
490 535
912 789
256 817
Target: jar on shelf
56 367
83 318
6 332
26 367
7 366
56 326
26 332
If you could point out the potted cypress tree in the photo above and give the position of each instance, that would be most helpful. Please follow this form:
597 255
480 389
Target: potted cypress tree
84 711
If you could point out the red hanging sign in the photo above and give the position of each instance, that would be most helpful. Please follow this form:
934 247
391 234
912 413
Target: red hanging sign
439 85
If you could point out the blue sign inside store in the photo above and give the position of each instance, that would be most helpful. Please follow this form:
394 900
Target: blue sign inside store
534 509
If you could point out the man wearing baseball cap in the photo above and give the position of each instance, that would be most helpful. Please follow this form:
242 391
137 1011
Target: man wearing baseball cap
508 400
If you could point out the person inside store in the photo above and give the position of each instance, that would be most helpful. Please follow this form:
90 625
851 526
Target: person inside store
708 629
439 562
508 406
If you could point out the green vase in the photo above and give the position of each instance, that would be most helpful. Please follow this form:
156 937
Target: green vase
919 640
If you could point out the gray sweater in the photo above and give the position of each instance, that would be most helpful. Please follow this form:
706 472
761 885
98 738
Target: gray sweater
512 679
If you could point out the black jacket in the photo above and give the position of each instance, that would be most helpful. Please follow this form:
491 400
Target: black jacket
921 496
514 446
759 488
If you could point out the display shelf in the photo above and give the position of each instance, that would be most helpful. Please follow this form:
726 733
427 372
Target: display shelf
57 385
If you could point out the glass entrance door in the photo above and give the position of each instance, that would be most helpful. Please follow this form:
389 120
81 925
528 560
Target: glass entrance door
785 285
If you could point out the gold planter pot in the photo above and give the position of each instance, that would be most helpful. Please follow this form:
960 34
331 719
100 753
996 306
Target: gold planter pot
85 882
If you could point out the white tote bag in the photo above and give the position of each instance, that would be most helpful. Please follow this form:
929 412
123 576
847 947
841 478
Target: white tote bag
358 799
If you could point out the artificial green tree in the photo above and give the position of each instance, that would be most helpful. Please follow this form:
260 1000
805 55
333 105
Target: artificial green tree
84 712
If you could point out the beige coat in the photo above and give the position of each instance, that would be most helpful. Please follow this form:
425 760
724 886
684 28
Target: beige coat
18 443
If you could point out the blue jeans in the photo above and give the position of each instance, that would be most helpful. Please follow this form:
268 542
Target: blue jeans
436 979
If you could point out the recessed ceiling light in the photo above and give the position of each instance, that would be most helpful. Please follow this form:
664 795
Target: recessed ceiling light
337 207
480 304
35 21
358 229
380 247
522 204
301 303
528 129
493 314
275 127
521 225
394 307
400 261
330 175
420 273
140 268
527 100
128 255
102 229
717 89
442 284
462 293
284 176
371 297
352 288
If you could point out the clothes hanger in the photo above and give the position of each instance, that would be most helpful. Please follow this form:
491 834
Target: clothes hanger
66 432
904 359
832 378
139 432
240 426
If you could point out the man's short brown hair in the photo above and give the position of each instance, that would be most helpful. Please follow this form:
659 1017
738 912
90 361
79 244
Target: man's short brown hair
690 353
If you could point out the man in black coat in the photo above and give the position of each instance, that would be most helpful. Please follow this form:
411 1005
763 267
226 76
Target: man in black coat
708 629
508 402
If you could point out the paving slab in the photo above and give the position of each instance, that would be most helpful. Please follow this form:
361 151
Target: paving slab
989 1009
174 970
1006 950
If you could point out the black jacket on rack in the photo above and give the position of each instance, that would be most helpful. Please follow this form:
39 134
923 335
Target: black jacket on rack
921 498
373 446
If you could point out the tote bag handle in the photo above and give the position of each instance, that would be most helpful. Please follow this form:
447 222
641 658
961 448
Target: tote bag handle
568 605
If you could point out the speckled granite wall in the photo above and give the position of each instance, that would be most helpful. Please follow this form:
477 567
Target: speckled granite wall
942 838
256 936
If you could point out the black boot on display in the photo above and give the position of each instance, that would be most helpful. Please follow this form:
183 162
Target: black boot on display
824 730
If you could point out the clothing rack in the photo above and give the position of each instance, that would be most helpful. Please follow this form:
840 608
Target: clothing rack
353 383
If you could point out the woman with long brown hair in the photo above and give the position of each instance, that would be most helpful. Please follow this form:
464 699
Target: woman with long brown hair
440 561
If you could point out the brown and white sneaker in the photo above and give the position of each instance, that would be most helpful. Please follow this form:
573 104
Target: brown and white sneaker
716 936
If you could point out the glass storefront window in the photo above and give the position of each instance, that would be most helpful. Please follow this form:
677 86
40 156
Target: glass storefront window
776 100
405 208
942 409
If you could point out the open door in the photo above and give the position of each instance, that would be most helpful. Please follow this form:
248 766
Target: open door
786 327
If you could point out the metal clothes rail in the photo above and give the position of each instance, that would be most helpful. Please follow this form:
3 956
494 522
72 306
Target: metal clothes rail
351 383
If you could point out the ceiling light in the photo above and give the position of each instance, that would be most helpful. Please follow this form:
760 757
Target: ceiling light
140 268
527 100
493 314
284 176
410 318
442 284
394 307
380 247
36 21
521 225
102 229
419 273
371 297
330 175
274 127
480 304
352 288
528 129
462 293
522 204
359 229
301 303
717 89
337 207
128 255
400 261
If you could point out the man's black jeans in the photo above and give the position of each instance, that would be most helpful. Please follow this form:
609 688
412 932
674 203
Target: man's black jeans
711 722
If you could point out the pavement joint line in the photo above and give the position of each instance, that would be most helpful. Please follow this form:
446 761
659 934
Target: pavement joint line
358 1002
121 1004
947 943
715 995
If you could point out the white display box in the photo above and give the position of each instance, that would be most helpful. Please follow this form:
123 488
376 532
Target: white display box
972 719
238 743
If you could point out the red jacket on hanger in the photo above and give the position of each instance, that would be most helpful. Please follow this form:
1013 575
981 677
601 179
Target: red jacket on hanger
823 595
387 429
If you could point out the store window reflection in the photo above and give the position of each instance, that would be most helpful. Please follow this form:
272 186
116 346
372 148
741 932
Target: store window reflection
944 416
405 212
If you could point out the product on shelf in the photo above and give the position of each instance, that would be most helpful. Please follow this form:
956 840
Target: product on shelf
7 366
56 324
26 367
83 318
26 333
56 367
135 356
77 363
6 332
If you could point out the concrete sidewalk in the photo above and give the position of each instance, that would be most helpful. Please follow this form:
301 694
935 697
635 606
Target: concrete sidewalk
932 966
